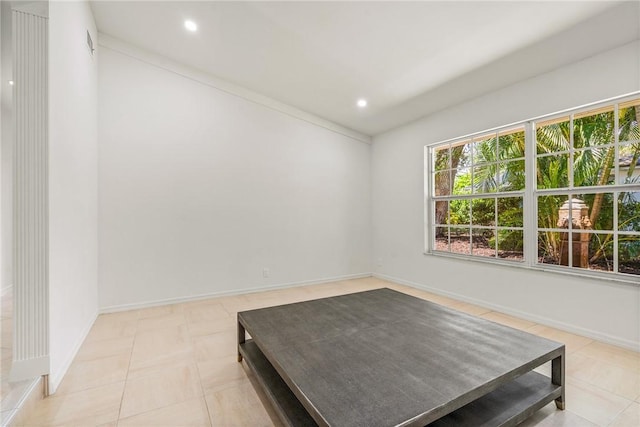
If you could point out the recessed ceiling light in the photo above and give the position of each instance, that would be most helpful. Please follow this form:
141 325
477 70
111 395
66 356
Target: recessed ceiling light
362 103
190 25
11 82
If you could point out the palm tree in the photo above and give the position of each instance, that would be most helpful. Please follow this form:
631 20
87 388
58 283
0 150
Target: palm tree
592 166
593 163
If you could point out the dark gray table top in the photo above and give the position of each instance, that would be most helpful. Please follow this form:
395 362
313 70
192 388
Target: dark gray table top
381 357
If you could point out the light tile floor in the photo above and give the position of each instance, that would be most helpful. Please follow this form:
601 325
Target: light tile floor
176 365
11 392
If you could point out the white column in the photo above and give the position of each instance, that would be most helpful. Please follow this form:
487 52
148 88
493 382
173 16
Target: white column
30 198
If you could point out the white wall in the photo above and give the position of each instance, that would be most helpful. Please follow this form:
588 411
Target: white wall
73 182
6 151
199 190
605 310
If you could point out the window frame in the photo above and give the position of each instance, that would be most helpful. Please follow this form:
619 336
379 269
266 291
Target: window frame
531 192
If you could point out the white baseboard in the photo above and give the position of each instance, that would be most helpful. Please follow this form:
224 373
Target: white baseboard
56 377
589 333
29 368
154 303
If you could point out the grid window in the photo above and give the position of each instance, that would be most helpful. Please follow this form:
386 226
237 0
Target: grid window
478 188
561 192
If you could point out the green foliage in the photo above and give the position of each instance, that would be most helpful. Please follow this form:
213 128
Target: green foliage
460 209
510 240
592 165
629 211
593 130
483 212
549 242
629 128
499 167
629 250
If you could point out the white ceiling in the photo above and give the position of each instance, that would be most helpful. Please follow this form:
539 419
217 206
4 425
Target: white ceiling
408 59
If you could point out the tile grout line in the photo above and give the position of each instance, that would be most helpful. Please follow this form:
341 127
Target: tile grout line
126 377
195 361
626 402
614 419
175 403
204 397
583 382
64 394
616 364
606 362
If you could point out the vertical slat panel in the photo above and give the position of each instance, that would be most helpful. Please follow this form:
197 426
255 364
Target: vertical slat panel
31 338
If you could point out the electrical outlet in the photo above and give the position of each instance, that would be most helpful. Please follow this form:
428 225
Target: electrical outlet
265 272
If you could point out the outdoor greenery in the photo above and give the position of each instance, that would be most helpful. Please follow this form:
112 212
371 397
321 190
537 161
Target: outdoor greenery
568 157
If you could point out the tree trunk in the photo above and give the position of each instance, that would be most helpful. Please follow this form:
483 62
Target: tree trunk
443 184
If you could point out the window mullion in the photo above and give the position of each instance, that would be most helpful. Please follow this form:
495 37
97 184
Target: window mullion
530 249
496 228
429 205
616 194
616 142
571 152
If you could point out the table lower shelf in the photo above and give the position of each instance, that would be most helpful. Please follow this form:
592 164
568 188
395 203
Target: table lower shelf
507 405
288 407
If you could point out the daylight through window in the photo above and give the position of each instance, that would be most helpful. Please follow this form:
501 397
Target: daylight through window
561 192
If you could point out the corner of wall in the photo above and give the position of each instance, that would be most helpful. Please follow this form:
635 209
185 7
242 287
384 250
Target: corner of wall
73 184
56 376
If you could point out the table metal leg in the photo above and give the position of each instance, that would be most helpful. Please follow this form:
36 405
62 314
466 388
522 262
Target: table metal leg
241 339
557 378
